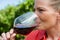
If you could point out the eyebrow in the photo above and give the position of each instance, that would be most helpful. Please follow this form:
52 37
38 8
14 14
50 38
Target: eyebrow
39 8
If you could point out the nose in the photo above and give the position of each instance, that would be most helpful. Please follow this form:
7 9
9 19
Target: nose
37 20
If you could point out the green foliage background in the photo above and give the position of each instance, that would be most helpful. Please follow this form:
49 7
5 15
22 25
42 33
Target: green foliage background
8 15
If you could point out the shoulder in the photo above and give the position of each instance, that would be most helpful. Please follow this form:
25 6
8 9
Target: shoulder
35 34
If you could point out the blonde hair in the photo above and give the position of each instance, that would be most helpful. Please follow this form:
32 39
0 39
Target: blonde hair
55 4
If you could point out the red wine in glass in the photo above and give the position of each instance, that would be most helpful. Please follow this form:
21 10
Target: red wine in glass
23 31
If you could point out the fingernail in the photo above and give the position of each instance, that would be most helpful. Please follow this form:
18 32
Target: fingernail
11 31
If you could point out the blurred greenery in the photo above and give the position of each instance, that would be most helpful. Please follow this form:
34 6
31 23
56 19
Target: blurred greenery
8 15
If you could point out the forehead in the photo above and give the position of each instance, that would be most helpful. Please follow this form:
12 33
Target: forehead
41 3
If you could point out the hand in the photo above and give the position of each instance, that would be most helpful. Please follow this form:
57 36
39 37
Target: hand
8 36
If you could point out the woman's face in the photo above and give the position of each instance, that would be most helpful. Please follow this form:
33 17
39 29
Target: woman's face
47 15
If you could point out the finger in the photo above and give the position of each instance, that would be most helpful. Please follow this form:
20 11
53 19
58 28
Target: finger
13 36
8 35
4 36
1 38
11 31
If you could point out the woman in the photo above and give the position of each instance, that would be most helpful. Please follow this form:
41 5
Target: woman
48 12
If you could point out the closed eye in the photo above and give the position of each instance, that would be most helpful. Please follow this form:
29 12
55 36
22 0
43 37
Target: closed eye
41 10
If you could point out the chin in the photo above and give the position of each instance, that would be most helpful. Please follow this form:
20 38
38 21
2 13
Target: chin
41 27
44 26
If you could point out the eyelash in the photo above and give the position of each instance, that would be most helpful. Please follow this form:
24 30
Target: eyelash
41 10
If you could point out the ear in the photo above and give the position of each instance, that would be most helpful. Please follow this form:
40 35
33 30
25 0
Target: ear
59 15
58 18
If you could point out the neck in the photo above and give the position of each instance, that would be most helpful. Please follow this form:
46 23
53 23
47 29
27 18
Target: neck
54 32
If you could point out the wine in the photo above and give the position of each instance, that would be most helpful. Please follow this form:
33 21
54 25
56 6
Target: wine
25 23
22 30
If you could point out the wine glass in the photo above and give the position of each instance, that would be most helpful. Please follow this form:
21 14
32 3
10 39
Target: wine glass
24 24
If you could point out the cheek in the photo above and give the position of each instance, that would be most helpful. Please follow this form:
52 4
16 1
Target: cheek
49 19
44 17
52 19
